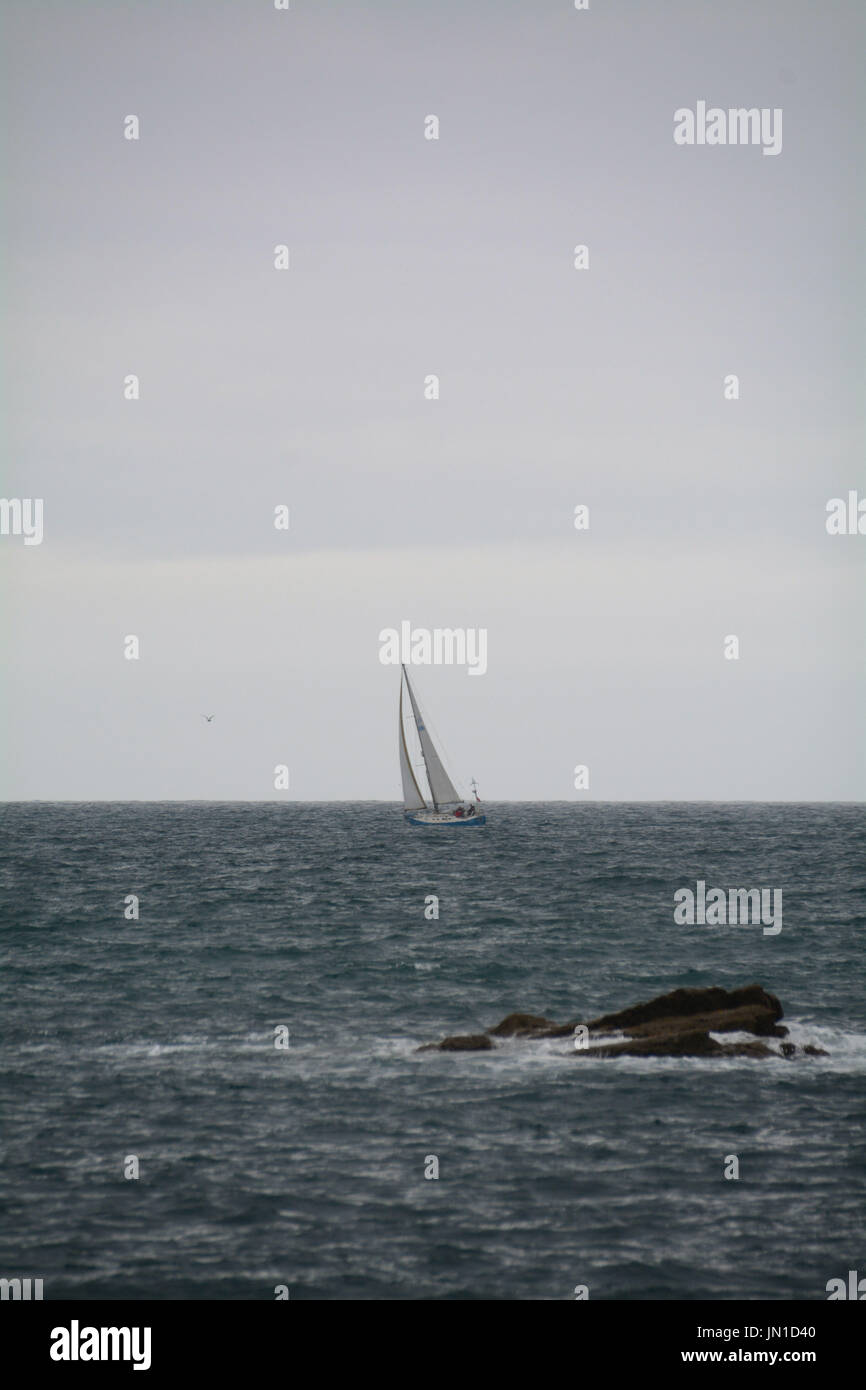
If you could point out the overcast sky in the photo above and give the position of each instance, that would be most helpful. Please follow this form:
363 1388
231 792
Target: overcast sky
558 386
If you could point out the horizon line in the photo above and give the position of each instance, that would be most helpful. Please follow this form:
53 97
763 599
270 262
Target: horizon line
376 801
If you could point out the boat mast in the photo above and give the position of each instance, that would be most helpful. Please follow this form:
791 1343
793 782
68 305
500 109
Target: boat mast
423 755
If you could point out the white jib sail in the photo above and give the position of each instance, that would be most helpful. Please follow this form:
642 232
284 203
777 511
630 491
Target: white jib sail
442 788
412 798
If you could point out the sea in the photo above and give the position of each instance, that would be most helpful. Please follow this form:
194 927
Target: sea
222 1096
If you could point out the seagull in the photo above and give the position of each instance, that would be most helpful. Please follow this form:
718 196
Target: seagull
208 717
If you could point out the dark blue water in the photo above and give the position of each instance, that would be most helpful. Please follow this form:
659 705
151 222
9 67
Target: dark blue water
305 1166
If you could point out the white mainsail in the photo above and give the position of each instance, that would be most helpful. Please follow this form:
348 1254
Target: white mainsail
442 789
412 798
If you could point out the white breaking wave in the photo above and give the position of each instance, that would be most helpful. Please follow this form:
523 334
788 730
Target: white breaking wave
847 1051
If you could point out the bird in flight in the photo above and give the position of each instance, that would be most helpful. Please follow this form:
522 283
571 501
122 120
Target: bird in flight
208 717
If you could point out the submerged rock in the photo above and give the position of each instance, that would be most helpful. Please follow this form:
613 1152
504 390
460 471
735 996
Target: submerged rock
695 1043
678 1024
466 1042
809 1050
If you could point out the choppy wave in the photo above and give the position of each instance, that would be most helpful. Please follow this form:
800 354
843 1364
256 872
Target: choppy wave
306 1165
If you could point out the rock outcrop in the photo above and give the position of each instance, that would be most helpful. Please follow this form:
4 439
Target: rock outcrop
678 1024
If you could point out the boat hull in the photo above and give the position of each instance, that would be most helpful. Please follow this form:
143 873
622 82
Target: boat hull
438 820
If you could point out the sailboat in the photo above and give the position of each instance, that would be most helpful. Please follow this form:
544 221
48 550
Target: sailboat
429 795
